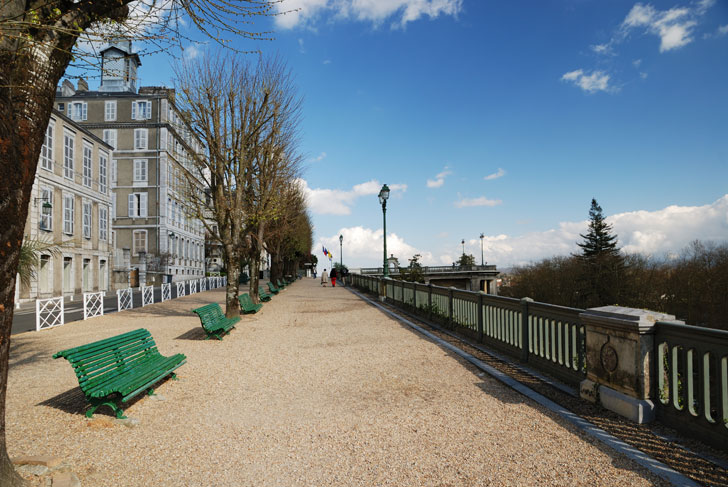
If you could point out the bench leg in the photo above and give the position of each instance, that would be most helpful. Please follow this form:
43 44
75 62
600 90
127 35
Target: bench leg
174 376
150 392
97 403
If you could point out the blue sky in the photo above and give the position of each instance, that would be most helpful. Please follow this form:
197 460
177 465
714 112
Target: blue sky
506 118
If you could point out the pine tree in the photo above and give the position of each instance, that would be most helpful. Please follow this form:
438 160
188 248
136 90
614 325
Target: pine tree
602 262
598 241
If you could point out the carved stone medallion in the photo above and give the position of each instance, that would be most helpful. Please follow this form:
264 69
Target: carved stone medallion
609 358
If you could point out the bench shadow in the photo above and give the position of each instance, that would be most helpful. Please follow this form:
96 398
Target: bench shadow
193 334
73 401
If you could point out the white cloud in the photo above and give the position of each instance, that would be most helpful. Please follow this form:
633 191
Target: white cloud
605 49
439 179
192 52
481 201
498 174
723 30
306 12
301 47
591 83
636 63
327 61
318 158
648 232
339 202
362 247
674 27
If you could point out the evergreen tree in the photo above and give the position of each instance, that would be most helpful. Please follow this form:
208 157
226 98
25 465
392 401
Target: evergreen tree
602 275
598 240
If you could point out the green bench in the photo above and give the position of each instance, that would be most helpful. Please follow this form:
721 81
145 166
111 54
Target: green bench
247 305
280 284
214 321
119 368
263 295
273 288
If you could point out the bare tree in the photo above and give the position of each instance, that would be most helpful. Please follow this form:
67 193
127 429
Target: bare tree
289 236
37 39
239 110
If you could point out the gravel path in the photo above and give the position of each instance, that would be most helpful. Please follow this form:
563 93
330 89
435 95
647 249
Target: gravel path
318 388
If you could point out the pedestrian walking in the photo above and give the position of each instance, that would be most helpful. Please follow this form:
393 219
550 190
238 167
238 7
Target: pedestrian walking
334 274
324 278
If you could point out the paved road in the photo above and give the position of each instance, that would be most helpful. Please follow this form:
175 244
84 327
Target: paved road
24 318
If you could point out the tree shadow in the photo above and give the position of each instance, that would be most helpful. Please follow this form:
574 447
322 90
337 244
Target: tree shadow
21 353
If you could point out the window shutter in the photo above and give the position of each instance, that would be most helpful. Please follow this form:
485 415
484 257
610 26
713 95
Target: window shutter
143 204
84 114
133 110
113 171
113 205
132 205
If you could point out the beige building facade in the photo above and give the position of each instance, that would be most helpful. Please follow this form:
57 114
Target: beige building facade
70 207
154 230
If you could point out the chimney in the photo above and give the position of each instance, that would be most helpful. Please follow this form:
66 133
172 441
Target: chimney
82 84
67 88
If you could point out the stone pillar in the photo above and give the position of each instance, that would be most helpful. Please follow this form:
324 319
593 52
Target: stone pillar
142 269
619 356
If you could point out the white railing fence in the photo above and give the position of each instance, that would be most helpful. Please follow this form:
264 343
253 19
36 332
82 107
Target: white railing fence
147 295
210 283
166 292
180 289
193 286
203 281
123 299
93 305
48 313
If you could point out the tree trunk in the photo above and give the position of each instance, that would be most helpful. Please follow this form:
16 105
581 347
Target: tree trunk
232 262
27 88
254 280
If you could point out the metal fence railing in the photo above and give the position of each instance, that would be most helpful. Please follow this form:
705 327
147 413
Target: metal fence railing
48 313
180 289
93 305
545 336
123 299
166 292
692 380
193 286
147 295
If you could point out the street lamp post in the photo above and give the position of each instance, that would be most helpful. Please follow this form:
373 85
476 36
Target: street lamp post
383 197
481 249
463 242
341 250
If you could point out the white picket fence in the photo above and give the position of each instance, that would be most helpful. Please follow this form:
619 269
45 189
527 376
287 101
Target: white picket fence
123 299
166 292
48 313
180 289
93 304
147 295
193 286
203 281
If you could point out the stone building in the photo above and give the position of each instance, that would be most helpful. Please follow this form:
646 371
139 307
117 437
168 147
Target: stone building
155 234
70 207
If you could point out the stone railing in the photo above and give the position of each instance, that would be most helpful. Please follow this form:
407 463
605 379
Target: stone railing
641 364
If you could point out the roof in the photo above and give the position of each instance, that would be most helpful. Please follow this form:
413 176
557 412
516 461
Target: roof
126 54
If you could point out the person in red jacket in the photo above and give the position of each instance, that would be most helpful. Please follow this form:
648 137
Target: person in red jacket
333 277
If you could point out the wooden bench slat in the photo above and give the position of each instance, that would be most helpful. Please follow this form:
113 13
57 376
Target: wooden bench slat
213 320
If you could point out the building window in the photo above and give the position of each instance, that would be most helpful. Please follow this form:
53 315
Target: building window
46 212
140 170
140 138
78 110
140 241
86 219
110 110
61 107
103 223
114 165
141 110
68 156
113 205
102 172
87 166
138 205
110 137
46 151
68 203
